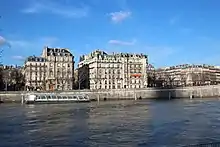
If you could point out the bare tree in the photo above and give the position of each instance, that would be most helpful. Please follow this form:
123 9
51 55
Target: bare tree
205 78
169 80
6 79
183 78
1 79
151 79
83 77
17 79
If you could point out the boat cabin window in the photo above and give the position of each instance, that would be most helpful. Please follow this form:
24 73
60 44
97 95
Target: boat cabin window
54 97
80 97
69 97
40 97
75 97
65 97
43 97
59 97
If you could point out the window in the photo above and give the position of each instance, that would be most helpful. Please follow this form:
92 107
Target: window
132 81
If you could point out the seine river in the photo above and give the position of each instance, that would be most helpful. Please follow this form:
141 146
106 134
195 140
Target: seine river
116 123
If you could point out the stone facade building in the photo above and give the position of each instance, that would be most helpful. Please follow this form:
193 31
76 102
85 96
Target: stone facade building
189 75
100 70
54 70
35 73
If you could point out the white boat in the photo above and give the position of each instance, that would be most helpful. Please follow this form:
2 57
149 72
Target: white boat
54 98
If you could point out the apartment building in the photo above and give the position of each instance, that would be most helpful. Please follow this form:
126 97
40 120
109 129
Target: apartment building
189 75
100 70
35 71
54 70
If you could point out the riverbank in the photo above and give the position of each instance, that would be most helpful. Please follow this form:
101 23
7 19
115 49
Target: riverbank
129 94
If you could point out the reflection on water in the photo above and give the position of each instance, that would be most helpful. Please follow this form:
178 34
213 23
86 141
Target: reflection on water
117 123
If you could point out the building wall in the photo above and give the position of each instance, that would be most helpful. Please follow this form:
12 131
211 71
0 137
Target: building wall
35 74
190 75
115 71
56 72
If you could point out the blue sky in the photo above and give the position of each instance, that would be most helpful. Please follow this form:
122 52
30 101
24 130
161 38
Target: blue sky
169 31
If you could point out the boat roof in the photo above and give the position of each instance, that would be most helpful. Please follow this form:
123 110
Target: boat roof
55 94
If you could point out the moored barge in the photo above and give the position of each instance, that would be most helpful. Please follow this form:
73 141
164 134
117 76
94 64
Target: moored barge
32 98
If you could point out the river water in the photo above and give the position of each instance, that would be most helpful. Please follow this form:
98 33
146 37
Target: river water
116 123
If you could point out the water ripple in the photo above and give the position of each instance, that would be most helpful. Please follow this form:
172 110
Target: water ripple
119 123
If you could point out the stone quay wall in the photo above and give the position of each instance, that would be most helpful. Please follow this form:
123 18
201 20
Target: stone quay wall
130 94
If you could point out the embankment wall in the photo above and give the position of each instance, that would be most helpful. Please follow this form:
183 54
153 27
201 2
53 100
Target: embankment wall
130 94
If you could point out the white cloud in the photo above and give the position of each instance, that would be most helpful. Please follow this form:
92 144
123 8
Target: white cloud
17 57
20 43
119 42
21 48
117 17
29 44
49 6
174 20
4 42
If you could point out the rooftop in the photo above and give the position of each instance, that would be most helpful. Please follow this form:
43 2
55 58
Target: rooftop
182 66
35 59
58 51
100 53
